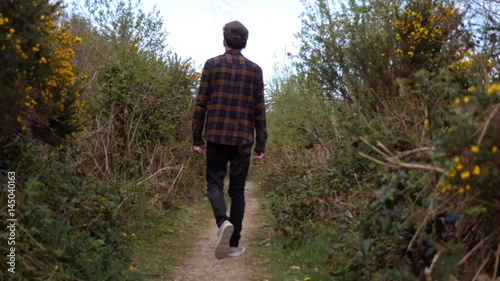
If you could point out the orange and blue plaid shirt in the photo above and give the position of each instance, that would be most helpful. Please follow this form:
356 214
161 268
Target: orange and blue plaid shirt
230 105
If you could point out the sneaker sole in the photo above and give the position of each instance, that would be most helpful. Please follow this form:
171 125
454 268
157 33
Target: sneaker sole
237 254
222 248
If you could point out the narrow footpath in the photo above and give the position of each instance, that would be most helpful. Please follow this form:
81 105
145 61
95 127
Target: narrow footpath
201 265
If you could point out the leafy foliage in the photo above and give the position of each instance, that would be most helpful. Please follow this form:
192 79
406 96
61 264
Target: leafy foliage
68 228
406 158
40 90
99 169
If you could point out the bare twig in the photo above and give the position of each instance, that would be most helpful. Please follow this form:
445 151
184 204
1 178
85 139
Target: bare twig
478 245
29 235
374 148
393 161
175 180
160 170
481 268
357 181
409 152
487 124
419 229
121 203
377 161
430 213
13 142
420 167
428 270
497 262
384 148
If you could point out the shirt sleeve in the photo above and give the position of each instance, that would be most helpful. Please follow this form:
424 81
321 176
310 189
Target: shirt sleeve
260 113
200 109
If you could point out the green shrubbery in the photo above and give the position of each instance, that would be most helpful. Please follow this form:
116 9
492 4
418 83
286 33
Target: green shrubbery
68 228
402 165
94 124
40 90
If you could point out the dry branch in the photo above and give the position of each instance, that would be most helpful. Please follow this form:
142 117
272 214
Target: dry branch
428 270
160 170
481 268
478 245
487 124
393 160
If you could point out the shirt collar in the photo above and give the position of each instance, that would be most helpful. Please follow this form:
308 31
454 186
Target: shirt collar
233 52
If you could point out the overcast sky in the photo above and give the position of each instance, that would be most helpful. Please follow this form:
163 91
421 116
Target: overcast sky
195 27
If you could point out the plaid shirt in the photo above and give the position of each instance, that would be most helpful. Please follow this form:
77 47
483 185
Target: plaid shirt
231 97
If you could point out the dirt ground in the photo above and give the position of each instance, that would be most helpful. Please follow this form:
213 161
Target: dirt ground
200 264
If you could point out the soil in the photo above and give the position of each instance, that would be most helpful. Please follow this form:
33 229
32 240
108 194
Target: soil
200 264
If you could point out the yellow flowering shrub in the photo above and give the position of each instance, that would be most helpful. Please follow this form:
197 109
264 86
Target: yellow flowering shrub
469 141
40 90
422 28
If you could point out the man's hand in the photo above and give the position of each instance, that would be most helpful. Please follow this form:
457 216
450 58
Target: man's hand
258 157
200 149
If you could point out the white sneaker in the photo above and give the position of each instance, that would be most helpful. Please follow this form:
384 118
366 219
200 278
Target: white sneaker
236 252
222 246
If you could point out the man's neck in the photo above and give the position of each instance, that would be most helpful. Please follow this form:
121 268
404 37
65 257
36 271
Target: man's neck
231 49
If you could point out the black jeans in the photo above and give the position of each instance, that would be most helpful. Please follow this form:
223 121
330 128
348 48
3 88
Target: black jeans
218 155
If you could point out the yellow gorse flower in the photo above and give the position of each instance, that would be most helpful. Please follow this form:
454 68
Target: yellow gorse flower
456 159
494 149
465 175
495 87
474 149
476 171
445 188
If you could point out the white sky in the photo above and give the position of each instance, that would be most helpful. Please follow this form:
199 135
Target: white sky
195 28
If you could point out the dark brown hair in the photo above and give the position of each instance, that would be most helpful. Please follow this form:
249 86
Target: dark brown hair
236 35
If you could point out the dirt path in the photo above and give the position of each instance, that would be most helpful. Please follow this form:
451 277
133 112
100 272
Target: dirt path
200 264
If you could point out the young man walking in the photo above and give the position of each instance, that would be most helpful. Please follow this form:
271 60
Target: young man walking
230 109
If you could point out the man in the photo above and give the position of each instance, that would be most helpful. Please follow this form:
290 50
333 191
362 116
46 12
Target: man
230 108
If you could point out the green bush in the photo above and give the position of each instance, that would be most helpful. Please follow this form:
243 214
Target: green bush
74 219
68 228
410 171
40 89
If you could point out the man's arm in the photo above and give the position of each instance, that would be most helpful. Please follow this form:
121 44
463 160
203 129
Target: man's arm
200 108
260 114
